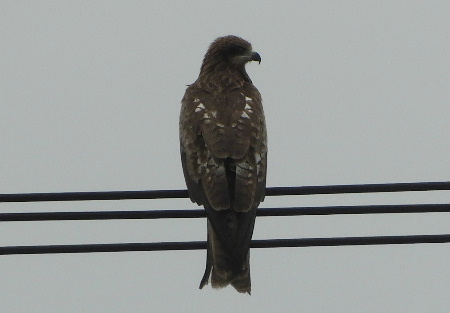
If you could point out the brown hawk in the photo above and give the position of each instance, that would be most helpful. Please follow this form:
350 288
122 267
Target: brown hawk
223 153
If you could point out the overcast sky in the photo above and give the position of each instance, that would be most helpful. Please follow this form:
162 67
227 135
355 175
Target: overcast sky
353 91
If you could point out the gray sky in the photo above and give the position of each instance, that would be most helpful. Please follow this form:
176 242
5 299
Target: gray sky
354 92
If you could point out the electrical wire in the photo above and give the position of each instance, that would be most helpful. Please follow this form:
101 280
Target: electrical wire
158 214
197 245
272 191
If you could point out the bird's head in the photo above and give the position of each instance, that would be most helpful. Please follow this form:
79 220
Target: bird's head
231 51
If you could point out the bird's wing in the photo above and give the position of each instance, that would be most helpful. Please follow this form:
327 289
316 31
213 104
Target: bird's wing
221 136
204 173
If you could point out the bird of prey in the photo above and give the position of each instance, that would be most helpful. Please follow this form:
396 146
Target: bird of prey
223 152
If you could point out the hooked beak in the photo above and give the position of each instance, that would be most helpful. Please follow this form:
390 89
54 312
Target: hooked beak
256 57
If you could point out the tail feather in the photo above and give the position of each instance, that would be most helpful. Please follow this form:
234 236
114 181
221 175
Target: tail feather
225 268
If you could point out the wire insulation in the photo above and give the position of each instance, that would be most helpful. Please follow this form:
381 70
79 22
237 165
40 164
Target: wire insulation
272 191
197 245
199 213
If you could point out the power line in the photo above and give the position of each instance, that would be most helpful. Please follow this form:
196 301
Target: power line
271 243
288 211
272 191
197 245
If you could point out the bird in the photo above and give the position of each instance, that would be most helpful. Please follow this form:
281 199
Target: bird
223 145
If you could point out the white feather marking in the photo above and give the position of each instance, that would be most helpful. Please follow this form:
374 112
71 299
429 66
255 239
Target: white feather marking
211 162
196 100
199 107
245 115
220 125
245 166
214 113
247 107
258 163
248 98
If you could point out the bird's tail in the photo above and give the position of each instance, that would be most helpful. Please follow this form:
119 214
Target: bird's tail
224 267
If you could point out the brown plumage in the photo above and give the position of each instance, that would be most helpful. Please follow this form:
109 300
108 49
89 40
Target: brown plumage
223 153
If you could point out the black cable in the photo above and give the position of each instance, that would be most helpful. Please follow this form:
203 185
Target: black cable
362 188
272 191
157 214
196 245
94 195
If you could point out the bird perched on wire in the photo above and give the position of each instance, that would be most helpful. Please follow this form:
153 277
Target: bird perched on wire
223 152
